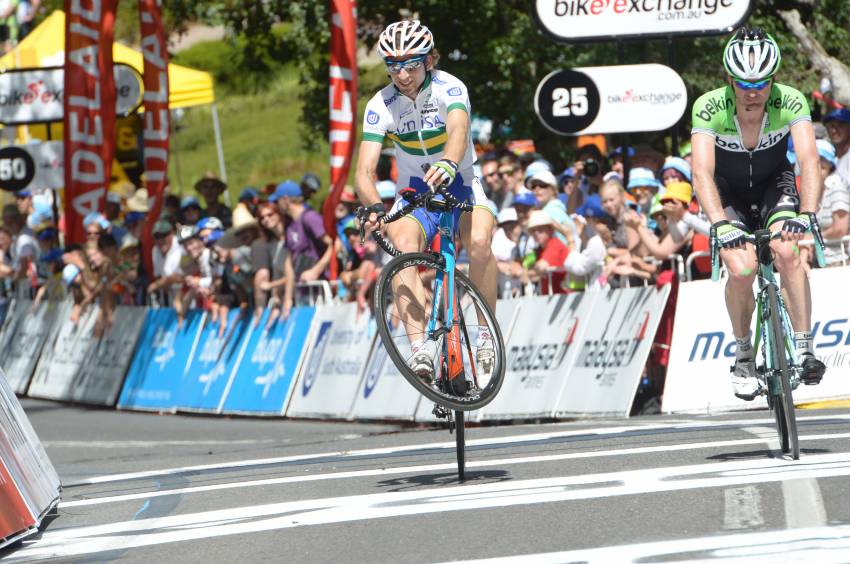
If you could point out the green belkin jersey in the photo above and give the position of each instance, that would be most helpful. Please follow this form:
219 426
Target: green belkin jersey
714 114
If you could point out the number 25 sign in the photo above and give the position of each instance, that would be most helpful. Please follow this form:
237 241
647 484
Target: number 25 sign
614 99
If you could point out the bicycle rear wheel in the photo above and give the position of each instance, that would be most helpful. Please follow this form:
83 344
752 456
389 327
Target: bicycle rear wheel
460 445
404 296
783 402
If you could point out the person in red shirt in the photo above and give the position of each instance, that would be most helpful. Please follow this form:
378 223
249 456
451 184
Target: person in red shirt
551 253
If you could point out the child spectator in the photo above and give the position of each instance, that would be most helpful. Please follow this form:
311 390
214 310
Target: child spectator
551 253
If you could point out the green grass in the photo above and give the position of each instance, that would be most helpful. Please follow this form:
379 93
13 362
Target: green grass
260 134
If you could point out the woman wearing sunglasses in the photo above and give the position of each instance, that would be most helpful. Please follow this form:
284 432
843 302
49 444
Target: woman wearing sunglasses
425 113
744 182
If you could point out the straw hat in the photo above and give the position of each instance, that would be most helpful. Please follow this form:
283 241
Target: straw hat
138 202
539 218
242 219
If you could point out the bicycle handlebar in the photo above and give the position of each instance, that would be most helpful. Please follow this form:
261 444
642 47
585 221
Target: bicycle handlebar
424 199
751 238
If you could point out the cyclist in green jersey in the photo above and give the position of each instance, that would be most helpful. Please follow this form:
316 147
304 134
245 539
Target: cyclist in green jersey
744 182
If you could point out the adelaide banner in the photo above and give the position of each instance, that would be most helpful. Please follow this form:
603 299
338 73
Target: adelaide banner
156 127
343 104
89 119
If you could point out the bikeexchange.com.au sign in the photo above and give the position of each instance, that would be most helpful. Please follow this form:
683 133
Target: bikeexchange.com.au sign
583 20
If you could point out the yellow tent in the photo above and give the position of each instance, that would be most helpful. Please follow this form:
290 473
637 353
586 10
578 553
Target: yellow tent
45 47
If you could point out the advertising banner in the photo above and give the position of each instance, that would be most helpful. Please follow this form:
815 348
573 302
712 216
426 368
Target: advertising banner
590 20
24 458
615 99
15 517
540 354
614 347
36 95
161 357
703 347
264 378
384 393
156 129
70 346
102 371
23 339
212 363
330 375
343 105
88 119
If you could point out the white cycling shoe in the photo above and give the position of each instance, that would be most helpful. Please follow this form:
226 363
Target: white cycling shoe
422 363
485 357
744 380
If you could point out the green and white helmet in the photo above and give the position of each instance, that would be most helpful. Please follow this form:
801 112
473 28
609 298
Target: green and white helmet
751 54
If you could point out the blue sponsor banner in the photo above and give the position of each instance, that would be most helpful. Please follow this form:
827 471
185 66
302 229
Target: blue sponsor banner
160 360
264 378
214 359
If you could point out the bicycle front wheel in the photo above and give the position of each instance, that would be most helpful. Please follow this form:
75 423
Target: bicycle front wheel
405 314
783 403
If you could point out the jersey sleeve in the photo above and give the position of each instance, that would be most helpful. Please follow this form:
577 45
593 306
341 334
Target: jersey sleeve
455 96
708 112
792 105
376 119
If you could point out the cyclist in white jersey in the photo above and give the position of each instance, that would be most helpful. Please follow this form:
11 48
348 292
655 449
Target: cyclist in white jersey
425 113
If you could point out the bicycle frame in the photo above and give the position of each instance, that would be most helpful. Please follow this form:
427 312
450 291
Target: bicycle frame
447 251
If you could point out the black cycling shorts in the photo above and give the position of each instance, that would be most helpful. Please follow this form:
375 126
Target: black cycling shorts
756 208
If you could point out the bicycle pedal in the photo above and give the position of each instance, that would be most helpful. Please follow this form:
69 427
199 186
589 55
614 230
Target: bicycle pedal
440 412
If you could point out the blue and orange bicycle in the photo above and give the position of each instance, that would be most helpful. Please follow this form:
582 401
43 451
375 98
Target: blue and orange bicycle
424 297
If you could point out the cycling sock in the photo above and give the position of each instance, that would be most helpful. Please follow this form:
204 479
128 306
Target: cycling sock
803 340
744 350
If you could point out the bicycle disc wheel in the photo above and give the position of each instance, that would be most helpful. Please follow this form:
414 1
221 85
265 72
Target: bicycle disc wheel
460 444
404 297
785 402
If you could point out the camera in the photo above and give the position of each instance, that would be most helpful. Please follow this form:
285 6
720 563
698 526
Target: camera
591 167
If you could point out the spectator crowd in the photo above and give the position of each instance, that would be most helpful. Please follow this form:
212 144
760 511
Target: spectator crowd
610 218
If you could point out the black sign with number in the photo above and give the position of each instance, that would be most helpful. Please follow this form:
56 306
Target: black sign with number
17 169
567 101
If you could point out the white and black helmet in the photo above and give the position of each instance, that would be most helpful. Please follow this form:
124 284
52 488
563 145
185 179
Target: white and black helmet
751 54
407 37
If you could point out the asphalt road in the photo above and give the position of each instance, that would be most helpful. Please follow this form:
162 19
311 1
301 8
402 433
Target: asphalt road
164 488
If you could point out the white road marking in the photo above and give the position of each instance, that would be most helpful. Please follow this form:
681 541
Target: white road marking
742 508
75 541
152 444
387 471
820 545
513 439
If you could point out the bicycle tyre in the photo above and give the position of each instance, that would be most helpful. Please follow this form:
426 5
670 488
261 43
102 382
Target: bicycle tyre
460 445
784 403
382 300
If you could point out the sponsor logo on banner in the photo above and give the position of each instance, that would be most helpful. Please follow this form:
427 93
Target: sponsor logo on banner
580 20
622 98
313 368
703 347
373 372
37 95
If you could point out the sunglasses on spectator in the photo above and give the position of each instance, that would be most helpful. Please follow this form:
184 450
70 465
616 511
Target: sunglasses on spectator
395 67
747 85
494 173
92 233
507 171
535 185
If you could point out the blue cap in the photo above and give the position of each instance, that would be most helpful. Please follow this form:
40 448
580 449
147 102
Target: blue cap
569 172
618 151
248 193
96 217
132 218
23 194
842 115
288 189
826 150
678 164
46 234
640 176
54 255
69 273
189 201
213 236
525 198
210 223
592 207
